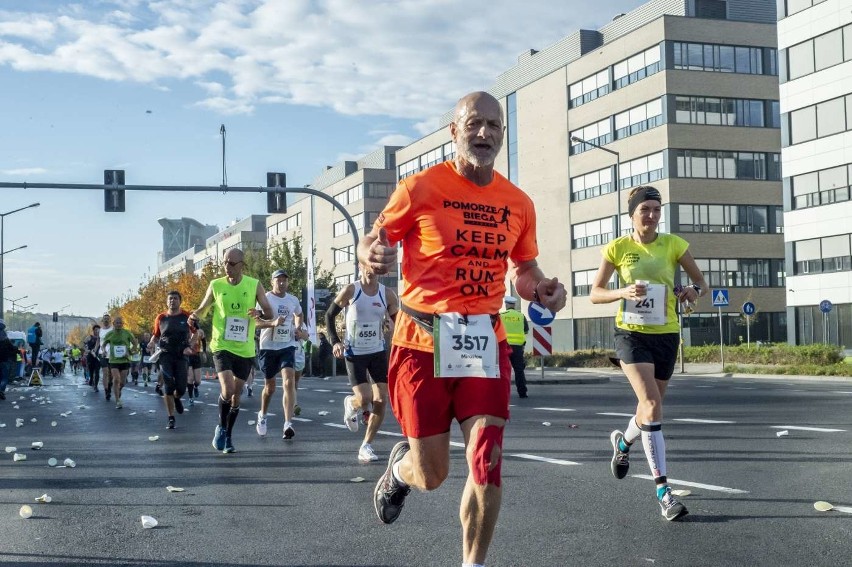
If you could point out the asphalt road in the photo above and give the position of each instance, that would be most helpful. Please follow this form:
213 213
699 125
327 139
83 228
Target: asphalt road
276 502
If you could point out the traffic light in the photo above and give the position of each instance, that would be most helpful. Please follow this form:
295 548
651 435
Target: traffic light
276 201
114 197
55 316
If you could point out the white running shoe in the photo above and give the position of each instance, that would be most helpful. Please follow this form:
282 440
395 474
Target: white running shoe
261 424
366 454
350 414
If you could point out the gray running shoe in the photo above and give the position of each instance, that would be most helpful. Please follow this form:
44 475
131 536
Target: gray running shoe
389 495
671 507
620 463
219 438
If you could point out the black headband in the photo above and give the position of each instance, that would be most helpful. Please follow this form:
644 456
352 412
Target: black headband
647 193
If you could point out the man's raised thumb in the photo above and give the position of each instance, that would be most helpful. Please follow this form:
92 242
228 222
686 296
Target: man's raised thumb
383 237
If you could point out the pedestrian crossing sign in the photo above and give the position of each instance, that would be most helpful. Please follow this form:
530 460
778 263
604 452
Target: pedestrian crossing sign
720 298
35 378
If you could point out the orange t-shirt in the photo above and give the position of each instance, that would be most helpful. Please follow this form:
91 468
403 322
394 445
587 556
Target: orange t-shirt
457 240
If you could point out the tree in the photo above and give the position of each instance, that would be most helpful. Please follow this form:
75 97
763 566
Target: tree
77 335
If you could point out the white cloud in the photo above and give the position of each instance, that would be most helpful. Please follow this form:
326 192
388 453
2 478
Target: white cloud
402 58
24 171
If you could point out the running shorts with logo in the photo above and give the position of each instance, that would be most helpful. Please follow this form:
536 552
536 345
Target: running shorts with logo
357 366
240 366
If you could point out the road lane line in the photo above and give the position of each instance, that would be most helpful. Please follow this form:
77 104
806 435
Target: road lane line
615 414
743 388
711 421
799 428
712 487
840 392
325 391
541 459
349 392
305 419
555 409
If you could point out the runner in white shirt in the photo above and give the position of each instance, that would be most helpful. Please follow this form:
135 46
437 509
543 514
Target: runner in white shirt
106 327
278 342
369 305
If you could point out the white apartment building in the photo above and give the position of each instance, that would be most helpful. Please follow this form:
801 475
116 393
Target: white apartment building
815 63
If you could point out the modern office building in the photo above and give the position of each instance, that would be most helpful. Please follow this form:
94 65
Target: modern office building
681 94
815 63
182 234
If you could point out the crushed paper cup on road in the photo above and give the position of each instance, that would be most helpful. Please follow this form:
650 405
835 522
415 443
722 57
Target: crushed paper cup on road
132 413
782 433
681 492
357 479
152 411
322 413
148 522
19 457
69 463
52 462
545 423
174 489
11 449
25 512
252 422
153 437
53 424
2 425
37 445
44 499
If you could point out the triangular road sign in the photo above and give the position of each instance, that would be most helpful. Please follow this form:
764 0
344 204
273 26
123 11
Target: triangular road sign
35 378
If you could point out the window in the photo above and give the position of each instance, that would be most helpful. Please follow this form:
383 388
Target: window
821 255
589 88
376 190
803 125
340 228
592 184
821 187
408 168
343 281
821 120
638 119
599 133
728 165
430 158
350 195
512 136
583 282
725 111
828 49
641 171
724 58
344 255
745 272
748 219
636 67
592 233
819 53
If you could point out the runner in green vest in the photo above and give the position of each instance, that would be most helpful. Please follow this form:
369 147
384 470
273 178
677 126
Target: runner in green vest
516 335
119 344
234 316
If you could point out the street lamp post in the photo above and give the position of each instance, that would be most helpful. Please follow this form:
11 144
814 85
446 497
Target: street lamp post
13 302
2 226
57 327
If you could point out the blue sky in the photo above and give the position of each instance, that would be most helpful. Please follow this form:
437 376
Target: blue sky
298 85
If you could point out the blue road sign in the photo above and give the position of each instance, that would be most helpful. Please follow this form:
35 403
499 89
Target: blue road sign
540 315
720 298
825 306
748 308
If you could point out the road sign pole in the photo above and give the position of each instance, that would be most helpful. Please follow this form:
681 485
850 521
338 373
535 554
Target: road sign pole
721 340
748 331
542 366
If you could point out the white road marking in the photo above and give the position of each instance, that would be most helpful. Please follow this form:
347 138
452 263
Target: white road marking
840 392
798 428
741 388
322 391
705 386
349 393
844 509
712 487
555 409
337 425
615 414
391 433
541 459
689 420
302 419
